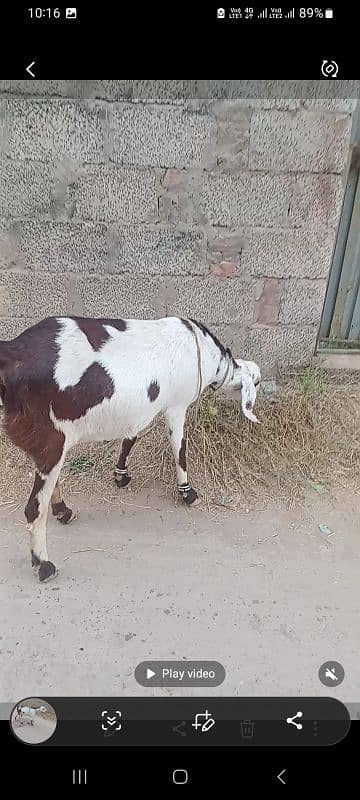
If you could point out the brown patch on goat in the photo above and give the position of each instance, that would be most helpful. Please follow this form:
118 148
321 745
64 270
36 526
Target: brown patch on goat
94 332
31 391
27 372
94 329
182 455
34 433
32 506
73 402
153 391
119 324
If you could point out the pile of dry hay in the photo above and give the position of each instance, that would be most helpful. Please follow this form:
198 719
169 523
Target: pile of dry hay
309 434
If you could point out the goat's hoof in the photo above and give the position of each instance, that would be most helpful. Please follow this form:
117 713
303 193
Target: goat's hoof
190 498
63 513
47 570
67 517
122 480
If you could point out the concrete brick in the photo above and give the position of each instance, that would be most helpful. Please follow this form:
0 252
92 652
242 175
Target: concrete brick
46 130
247 199
121 296
175 180
143 90
233 110
278 347
316 201
225 244
6 244
223 270
286 254
268 295
303 141
50 88
211 300
34 295
159 136
116 195
302 302
340 105
161 251
31 189
231 146
63 246
178 197
250 90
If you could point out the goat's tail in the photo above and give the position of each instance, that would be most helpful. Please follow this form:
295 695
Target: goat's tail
5 355
5 363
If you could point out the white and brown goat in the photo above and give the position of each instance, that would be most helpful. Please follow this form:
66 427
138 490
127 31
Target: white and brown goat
71 379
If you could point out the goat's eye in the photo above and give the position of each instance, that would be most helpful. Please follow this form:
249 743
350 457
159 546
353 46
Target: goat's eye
256 383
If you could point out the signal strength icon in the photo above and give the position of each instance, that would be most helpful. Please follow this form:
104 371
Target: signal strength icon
263 14
291 14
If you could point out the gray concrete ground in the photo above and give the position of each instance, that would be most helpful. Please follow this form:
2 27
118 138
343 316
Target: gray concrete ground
265 593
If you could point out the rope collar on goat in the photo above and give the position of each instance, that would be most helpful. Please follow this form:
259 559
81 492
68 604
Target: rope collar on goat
199 388
216 388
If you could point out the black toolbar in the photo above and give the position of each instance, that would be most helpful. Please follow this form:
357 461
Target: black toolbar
194 722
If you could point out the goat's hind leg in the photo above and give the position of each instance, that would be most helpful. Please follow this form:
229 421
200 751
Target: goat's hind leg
36 514
60 510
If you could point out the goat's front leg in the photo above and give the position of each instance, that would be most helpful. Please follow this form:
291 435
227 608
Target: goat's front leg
122 477
175 418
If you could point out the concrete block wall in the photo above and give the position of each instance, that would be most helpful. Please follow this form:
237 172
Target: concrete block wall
223 210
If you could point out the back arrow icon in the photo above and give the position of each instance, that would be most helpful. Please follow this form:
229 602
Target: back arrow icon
180 728
280 778
28 69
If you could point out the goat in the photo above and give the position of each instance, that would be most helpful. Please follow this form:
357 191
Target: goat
29 712
71 379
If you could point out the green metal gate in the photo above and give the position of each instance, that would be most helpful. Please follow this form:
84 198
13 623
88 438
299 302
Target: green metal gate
340 324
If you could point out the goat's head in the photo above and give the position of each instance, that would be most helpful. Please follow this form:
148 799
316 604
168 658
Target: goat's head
244 384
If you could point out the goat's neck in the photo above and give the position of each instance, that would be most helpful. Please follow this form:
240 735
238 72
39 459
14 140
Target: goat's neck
217 368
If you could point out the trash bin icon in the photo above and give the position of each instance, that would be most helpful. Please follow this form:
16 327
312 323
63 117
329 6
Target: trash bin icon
247 729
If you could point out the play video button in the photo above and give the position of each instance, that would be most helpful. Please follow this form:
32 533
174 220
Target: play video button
180 673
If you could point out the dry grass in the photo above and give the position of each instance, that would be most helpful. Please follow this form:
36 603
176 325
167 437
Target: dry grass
309 436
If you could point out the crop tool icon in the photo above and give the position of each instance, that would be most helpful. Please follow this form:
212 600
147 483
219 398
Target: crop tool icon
206 725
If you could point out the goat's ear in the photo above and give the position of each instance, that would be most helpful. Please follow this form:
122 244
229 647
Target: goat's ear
248 397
